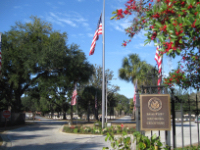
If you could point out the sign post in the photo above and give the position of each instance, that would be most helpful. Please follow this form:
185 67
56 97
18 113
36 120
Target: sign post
6 114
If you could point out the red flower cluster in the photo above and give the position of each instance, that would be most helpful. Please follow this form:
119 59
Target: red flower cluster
175 77
168 46
193 25
119 13
164 28
190 6
183 4
126 12
153 36
156 15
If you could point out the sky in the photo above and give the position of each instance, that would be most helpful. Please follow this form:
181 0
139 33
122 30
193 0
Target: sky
78 18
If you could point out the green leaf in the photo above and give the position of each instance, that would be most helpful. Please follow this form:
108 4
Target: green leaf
147 41
182 34
154 136
158 24
188 2
114 12
173 36
171 31
171 50
113 17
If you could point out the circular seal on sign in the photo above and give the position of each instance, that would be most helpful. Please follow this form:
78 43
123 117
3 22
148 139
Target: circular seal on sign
155 104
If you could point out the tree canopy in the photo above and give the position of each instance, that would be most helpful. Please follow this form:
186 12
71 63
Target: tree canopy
176 24
33 53
134 69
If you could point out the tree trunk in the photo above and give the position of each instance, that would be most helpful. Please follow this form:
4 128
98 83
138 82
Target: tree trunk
110 113
52 113
88 115
64 115
18 105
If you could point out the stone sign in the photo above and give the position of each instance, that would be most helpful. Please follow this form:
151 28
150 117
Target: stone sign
155 112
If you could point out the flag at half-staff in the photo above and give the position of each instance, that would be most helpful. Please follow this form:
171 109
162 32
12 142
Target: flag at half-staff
74 94
96 36
158 59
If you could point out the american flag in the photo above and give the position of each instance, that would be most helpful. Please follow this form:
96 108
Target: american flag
134 97
159 62
73 101
0 53
96 36
96 101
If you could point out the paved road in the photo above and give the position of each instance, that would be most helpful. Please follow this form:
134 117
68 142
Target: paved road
46 134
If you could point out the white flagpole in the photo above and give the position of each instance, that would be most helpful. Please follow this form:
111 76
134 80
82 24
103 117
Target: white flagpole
103 71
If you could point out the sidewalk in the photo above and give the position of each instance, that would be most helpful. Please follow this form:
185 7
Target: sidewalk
186 134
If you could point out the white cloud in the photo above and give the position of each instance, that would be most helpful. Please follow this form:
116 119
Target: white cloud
71 18
119 29
140 35
120 25
53 20
61 3
169 63
67 21
60 20
90 35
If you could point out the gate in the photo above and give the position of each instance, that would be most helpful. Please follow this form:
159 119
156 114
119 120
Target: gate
174 100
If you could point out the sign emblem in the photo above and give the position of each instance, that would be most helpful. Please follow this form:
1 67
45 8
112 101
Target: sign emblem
155 104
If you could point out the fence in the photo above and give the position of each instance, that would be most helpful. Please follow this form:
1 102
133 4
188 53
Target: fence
168 136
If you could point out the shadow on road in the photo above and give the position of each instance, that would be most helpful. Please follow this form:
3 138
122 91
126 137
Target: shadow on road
68 145
24 137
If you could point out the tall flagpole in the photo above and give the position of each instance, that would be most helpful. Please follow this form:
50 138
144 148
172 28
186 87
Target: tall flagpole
103 72
0 54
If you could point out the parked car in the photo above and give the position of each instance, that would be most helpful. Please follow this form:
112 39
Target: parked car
196 120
